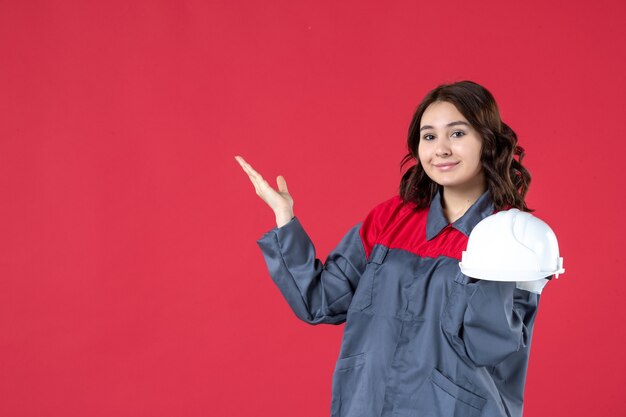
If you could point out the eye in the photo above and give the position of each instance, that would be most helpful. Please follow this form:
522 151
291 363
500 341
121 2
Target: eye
458 131
427 137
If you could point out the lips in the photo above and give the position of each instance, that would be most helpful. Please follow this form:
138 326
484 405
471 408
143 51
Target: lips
446 166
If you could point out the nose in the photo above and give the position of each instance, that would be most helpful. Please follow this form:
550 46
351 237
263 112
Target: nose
442 148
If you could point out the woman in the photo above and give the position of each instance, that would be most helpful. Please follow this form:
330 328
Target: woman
421 338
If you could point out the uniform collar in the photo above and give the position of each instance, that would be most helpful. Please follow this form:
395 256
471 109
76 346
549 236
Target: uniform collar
436 221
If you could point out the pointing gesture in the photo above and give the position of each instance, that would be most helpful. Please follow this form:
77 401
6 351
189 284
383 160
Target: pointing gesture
279 201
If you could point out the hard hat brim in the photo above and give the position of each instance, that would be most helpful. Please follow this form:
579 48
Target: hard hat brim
507 276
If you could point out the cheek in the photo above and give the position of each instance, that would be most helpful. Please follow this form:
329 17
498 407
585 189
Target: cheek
478 155
477 150
471 154
422 152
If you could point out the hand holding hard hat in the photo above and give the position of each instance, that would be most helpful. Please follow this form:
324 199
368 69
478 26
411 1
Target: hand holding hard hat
512 245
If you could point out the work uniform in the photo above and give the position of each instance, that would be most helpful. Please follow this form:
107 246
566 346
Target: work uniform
420 339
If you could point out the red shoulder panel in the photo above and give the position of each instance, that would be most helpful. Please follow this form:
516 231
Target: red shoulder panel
376 220
401 226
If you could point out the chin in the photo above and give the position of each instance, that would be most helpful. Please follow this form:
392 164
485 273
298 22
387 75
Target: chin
445 182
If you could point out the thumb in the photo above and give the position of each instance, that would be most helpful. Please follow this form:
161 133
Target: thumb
282 184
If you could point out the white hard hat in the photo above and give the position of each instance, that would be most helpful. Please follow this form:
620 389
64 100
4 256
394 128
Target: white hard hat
511 245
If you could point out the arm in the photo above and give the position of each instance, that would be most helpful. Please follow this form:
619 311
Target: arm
317 292
497 321
487 321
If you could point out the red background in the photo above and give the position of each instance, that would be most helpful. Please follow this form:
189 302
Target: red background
130 280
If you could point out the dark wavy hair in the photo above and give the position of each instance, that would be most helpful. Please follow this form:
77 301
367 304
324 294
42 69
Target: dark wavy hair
507 180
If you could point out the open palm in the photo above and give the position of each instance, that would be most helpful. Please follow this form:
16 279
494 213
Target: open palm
279 201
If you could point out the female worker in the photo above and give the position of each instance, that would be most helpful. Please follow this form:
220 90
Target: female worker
420 339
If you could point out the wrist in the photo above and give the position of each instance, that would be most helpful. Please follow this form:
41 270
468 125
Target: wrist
283 218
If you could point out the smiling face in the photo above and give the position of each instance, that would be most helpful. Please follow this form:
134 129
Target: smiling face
449 149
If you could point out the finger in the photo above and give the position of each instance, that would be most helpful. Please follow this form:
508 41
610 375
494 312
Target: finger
244 165
265 187
261 186
239 160
248 168
255 178
282 184
256 186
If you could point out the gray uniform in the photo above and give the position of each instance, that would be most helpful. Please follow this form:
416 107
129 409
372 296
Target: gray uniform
420 339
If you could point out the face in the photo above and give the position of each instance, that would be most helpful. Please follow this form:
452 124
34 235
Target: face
449 148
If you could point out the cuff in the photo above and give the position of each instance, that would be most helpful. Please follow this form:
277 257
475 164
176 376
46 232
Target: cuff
290 226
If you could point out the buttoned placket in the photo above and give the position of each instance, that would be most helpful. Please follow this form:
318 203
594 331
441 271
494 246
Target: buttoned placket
436 224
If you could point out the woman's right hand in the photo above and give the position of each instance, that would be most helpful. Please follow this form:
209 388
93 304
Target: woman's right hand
279 201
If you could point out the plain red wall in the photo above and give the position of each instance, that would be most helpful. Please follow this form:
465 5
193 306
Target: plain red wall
130 279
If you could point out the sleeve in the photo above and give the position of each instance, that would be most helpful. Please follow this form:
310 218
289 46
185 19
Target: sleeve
317 292
535 286
494 320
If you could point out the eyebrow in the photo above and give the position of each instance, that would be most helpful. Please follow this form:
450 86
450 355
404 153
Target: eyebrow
458 122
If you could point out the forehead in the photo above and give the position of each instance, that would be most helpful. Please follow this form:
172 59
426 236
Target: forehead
440 113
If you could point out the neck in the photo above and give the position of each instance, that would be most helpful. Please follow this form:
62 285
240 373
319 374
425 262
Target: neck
455 202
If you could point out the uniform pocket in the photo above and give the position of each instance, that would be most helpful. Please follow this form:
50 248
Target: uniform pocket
460 394
350 362
439 396
348 395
